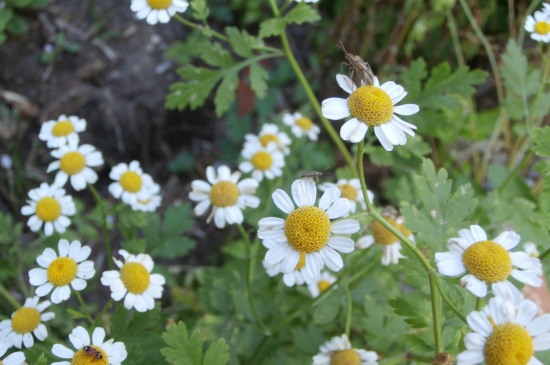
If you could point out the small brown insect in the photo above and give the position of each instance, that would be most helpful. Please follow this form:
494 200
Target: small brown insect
93 352
359 66
313 174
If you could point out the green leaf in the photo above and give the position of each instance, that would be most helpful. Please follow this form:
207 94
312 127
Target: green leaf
379 156
217 353
2 37
215 55
541 136
225 95
76 314
412 77
182 163
258 78
413 313
5 16
328 309
17 25
183 350
302 13
42 360
200 10
241 41
177 221
272 27
514 71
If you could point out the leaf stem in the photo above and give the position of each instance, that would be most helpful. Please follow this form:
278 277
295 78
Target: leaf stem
9 298
479 304
98 317
454 35
106 240
349 309
436 311
447 300
84 307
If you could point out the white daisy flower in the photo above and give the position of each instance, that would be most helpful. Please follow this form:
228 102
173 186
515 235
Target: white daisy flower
227 195
297 277
351 190
321 283
530 249
131 184
487 262
338 351
58 272
262 161
300 125
75 161
49 206
134 282
90 352
539 26
158 10
152 203
17 358
61 131
502 332
269 133
308 229
25 321
371 106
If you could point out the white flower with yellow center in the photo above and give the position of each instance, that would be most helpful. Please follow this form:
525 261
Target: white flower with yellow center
338 351
351 190
300 125
505 334
371 106
487 262
321 283
269 133
25 321
49 206
134 282
152 202
308 229
131 184
227 195
158 10
17 358
61 131
58 272
539 26
262 161
75 162
297 277
530 249
90 352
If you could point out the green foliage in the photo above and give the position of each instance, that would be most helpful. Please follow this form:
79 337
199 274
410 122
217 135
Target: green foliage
10 21
42 360
200 10
541 136
302 13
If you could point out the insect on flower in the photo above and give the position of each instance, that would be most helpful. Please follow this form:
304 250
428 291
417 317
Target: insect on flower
314 174
93 352
357 64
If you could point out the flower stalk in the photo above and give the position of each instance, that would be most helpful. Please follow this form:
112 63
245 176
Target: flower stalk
106 240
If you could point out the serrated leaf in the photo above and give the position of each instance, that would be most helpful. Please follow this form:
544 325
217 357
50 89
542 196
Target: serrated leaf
413 312
412 77
177 221
42 360
514 71
272 27
217 353
183 350
240 40
302 13
215 55
225 95
258 78
76 314
200 10
541 136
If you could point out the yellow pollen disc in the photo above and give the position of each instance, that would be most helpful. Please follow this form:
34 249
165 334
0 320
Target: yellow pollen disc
381 234
371 105
224 194
135 277
404 230
302 262
509 344
266 138
131 181
25 320
488 261
81 357
159 4
345 357
48 209
348 191
62 271
62 129
304 123
262 160
542 28
323 285
307 229
72 163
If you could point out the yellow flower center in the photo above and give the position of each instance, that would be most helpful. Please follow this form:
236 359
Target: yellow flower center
509 344
266 138
262 160
62 271
345 357
381 234
302 262
542 28
488 261
371 105
72 163
135 277
62 129
224 194
304 123
404 230
131 181
323 285
25 320
48 209
348 191
159 4
82 357
307 229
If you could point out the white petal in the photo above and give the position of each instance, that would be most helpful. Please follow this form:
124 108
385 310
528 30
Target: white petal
98 336
526 312
348 226
331 258
329 197
524 261
508 240
474 285
365 242
345 83
470 357
528 277
342 244
539 325
406 109
474 341
479 323
335 108
542 342
379 132
339 209
304 192
282 201
278 253
313 265
289 262
62 351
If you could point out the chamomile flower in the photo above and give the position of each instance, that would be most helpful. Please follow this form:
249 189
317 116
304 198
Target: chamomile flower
308 229
351 190
75 162
152 202
262 161
487 262
297 277
111 353
320 283
131 184
134 282
539 26
338 351
530 249
25 321
300 125
49 206
270 133
227 195
158 10
371 106
61 131
17 358
70 267
503 331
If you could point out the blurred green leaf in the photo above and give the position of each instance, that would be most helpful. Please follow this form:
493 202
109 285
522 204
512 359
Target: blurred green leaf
258 80
200 10
5 16
17 25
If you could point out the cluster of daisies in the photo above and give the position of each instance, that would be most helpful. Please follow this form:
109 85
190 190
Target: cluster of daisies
538 24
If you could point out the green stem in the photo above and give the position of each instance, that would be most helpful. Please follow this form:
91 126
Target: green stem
98 317
447 300
479 304
9 298
514 173
454 35
544 254
106 240
436 310
84 308
258 350
349 310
